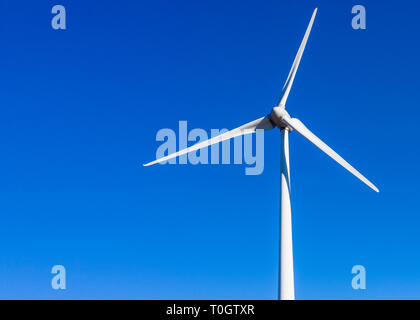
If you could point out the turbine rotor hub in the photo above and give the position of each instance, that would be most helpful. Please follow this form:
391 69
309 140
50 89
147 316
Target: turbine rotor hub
278 114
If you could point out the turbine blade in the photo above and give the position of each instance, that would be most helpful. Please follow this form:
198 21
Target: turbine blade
297 125
289 82
263 123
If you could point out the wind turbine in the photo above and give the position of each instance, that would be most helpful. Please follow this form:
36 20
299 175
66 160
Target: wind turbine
281 119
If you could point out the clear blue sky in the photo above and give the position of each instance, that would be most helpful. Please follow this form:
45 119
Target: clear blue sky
80 110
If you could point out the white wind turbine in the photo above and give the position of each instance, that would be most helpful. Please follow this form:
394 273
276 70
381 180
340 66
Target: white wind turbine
280 118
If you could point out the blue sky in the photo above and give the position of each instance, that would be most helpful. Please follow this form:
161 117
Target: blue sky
80 109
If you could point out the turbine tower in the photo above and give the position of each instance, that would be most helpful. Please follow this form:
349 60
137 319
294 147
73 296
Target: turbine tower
281 119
